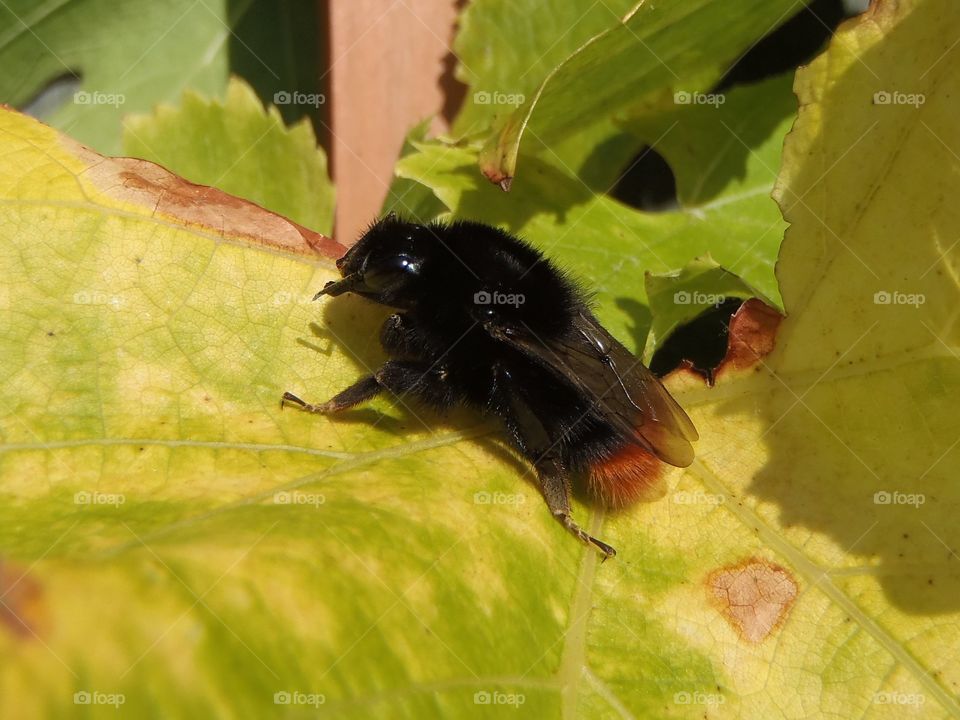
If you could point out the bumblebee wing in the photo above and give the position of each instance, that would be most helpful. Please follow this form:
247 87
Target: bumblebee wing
623 390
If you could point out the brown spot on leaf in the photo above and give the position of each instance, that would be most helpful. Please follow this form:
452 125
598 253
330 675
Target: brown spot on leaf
497 177
143 183
880 10
753 334
21 601
755 596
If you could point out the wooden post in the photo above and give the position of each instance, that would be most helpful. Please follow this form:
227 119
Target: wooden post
389 68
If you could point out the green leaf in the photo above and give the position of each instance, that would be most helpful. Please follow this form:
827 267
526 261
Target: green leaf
727 213
397 564
505 50
132 55
409 198
241 148
657 48
727 142
677 298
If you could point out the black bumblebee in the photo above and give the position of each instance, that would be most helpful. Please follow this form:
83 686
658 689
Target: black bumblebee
486 321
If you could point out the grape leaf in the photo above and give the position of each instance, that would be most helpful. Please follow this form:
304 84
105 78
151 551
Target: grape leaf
241 148
171 540
653 51
83 64
609 245
506 49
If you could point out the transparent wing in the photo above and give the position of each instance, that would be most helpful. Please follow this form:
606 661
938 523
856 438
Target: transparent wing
624 391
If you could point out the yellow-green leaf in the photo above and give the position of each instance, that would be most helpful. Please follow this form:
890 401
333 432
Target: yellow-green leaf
82 65
242 148
724 187
168 536
654 49
677 298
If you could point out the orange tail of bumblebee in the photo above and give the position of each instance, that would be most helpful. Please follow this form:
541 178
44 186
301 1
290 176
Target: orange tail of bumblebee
629 475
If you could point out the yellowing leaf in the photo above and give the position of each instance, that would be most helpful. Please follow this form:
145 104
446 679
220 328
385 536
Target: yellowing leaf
242 148
836 457
169 536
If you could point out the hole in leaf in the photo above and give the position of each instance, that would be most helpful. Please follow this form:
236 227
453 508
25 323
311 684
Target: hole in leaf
702 342
647 183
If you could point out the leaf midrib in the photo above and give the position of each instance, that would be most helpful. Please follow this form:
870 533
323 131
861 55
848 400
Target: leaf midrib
351 463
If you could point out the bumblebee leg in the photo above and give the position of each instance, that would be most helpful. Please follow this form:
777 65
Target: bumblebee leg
398 376
554 486
528 434
361 391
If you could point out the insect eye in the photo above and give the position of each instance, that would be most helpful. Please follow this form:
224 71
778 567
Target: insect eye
390 271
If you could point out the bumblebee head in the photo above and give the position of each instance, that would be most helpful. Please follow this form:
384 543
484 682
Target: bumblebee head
386 264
